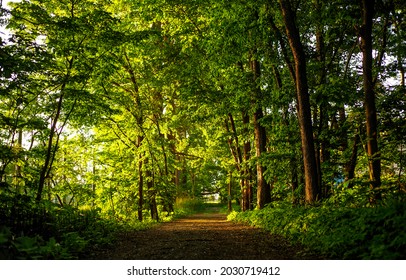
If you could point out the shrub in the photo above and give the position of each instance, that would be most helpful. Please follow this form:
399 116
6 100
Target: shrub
337 232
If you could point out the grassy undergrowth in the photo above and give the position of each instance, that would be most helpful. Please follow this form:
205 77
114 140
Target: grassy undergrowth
336 232
187 206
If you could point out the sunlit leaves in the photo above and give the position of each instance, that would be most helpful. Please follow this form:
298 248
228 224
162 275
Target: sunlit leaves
155 80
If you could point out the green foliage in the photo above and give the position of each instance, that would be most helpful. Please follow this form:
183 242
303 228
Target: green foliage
74 243
106 105
187 206
46 231
337 232
26 247
356 196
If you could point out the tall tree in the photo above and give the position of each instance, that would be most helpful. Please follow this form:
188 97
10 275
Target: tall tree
312 188
263 187
69 29
374 161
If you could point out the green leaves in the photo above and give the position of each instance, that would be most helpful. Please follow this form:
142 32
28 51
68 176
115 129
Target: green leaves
108 94
336 232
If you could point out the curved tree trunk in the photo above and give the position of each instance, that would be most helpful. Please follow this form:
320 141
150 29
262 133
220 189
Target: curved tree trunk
51 150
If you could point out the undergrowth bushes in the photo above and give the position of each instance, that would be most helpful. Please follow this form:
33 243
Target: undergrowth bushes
337 232
31 230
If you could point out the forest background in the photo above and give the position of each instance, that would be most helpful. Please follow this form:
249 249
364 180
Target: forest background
118 113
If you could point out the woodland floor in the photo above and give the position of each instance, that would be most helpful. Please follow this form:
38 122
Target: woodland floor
205 236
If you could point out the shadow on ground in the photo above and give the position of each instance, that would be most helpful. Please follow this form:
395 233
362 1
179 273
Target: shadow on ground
206 236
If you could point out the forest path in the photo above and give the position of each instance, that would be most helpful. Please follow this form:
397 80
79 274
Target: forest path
205 236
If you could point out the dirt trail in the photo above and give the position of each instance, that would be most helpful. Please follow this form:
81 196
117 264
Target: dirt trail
206 236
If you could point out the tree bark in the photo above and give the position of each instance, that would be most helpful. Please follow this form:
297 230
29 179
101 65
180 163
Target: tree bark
140 182
17 167
263 187
351 164
312 188
241 159
236 150
151 192
138 115
50 149
247 174
322 143
232 147
369 97
229 192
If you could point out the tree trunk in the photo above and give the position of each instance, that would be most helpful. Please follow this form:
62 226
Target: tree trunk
140 121
323 153
324 149
151 193
351 164
317 143
149 177
243 169
234 148
247 174
369 97
17 167
50 149
229 192
140 182
263 188
342 129
312 188
93 180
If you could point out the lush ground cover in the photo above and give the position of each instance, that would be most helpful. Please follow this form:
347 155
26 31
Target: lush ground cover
337 232
30 230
